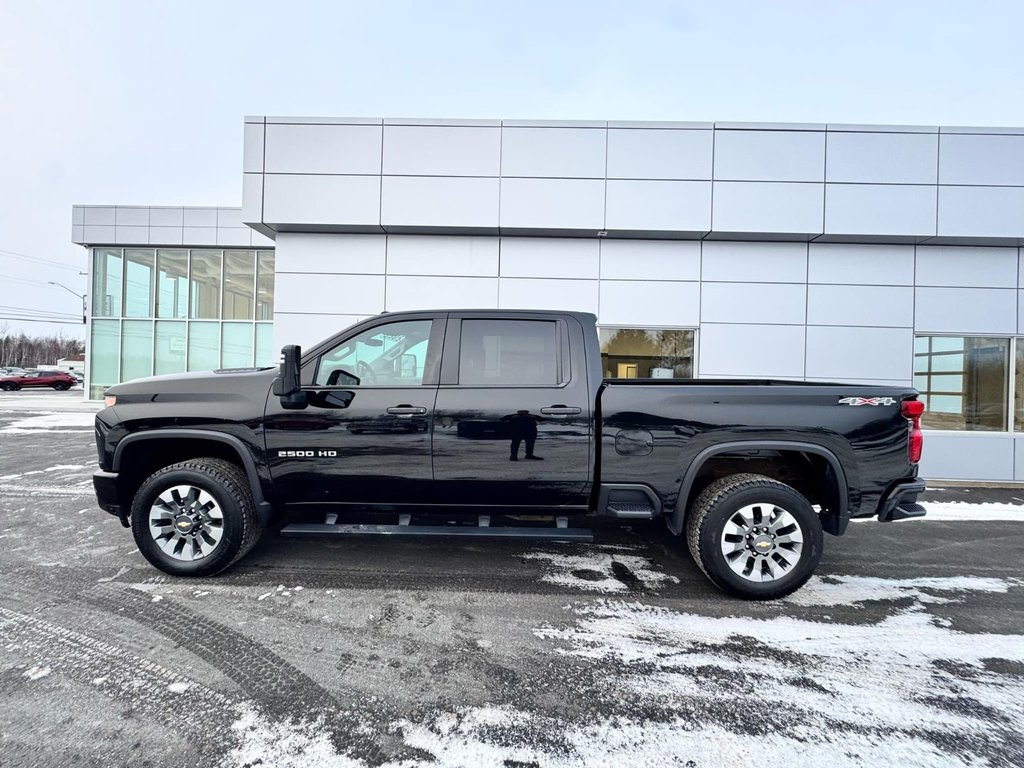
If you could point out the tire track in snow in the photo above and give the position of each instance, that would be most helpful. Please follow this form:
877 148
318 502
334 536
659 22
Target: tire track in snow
145 686
280 691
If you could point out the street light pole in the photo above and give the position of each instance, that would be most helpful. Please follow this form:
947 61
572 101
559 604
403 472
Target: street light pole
76 293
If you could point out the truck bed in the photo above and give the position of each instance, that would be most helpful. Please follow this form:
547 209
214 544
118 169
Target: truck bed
653 431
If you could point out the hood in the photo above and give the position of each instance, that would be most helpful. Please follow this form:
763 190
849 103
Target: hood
224 385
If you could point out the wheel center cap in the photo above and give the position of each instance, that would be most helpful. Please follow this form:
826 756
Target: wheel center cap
183 524
763 544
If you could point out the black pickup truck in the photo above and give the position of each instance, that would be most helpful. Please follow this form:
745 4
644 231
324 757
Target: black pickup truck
464 417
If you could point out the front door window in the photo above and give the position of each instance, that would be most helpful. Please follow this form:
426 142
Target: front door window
391 355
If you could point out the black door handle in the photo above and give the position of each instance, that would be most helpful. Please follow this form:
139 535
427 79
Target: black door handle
407 410
561 410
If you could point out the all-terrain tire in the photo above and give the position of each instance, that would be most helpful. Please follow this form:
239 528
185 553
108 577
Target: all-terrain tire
709 515
229 487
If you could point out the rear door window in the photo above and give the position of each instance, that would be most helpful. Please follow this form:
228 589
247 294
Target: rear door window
509 353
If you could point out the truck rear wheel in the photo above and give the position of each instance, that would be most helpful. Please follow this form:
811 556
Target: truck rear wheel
195 518
754 537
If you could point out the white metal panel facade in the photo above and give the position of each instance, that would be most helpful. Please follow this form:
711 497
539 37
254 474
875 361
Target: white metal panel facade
795 251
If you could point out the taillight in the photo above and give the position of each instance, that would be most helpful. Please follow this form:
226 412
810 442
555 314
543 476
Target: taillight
912 410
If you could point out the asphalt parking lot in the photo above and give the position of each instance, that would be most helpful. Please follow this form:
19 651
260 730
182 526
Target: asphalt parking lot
907 648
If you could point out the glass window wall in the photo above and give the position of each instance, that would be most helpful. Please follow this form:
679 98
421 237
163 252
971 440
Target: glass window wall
169 350
107 282
265 285
104 363
172 284
646 353
236 345
204 285
136 349
265 354
138 282
239 284
168 310
203 346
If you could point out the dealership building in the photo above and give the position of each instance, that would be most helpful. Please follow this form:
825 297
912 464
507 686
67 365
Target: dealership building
855 253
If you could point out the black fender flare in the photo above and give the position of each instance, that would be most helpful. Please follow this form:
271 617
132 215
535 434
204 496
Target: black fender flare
676 518
264 509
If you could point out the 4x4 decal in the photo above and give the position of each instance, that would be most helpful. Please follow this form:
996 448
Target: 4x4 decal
867 401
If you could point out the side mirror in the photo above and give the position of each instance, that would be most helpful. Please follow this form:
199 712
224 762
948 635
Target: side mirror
287 385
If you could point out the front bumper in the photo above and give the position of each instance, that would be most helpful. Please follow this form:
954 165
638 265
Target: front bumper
901 503
105 485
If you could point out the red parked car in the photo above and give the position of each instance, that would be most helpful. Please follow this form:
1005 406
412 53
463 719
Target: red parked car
56 379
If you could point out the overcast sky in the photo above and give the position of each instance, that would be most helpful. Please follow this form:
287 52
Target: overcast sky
142 103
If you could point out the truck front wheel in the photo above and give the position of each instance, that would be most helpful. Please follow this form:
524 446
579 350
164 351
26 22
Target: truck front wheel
195 518
754 537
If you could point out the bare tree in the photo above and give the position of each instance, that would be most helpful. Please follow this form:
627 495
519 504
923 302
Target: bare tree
21 351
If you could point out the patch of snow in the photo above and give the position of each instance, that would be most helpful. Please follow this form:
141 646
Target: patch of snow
840 686
496 737
594 571
960 510
35 673
179 687
283 744
50 421
265 596
59 467
43 490
847 590
157 598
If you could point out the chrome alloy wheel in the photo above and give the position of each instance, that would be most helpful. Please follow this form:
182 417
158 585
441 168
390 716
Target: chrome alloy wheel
762 542
186 522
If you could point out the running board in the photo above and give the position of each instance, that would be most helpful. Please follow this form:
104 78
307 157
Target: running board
442 531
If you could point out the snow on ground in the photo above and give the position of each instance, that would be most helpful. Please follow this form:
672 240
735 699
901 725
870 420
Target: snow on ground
907 689
479 738
67 421
604 569
959 510
848 590
47 400
283 745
